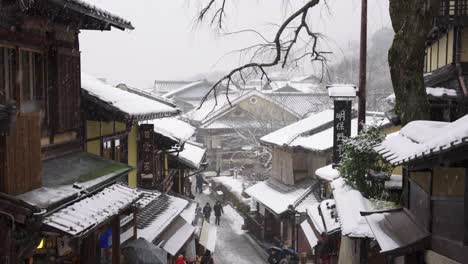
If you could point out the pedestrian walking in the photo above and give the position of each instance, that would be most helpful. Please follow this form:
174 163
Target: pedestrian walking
207 211
207 258
218 210
199 183
180 259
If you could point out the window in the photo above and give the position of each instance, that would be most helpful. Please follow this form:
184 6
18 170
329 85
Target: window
32 81
7 74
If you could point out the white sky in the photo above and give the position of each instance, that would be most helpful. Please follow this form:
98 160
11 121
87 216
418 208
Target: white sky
166 43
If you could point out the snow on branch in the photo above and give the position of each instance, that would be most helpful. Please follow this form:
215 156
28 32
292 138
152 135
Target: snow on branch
281 46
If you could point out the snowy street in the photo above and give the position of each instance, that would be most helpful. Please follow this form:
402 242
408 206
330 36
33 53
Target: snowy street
232 247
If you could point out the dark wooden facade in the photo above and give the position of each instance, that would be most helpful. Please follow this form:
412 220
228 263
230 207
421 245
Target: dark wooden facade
436 192
40 76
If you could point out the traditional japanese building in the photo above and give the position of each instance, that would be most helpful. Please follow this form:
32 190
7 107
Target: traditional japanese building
114 128
432 226
44 169
446 61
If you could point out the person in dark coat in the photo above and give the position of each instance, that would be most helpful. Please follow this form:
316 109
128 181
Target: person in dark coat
218 210
207 258
207 211
199 183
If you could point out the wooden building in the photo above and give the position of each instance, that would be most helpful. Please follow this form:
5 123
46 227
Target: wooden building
446 60
231 129
42 163
115 128
433 155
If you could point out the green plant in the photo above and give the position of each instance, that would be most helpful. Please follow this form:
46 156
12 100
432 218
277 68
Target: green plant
362 167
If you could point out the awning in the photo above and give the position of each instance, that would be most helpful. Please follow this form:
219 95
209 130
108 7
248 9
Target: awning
208 236
396 231
192 155
82 216
157 213
309 234
176 236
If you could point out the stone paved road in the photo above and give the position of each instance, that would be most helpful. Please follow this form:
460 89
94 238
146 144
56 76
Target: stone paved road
232 247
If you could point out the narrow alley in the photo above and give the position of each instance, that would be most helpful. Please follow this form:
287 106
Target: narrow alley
231 246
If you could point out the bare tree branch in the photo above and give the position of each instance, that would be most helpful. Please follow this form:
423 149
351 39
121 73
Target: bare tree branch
281 48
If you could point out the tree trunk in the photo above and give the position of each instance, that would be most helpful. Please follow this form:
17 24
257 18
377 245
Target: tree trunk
411 21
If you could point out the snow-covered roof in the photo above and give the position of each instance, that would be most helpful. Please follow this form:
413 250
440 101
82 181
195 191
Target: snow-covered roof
184 87
328 216
133 105
192 154
437 92
288 134
278 196
176 236
65 177
309 234
342 90
217 106
158 213
349 204
327 173
165 86
90 8
420 139
395 229
323 140
441 92
82 216
395 182
173 128
309 200
303 104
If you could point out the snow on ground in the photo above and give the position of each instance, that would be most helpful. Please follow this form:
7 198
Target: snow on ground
232 247
234 216
234 185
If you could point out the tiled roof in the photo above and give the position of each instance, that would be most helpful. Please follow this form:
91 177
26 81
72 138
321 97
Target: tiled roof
303 104
82 216
158 212
88 7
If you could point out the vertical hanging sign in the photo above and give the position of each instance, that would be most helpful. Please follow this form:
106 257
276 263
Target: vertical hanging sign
147 152
341 127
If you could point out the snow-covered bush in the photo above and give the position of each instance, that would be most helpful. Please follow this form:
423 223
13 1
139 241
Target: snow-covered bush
362 167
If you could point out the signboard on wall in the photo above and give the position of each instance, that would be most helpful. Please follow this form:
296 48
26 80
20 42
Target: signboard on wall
146 153
341 127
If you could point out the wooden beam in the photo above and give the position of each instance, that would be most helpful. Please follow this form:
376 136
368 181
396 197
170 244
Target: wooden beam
465 240
116 240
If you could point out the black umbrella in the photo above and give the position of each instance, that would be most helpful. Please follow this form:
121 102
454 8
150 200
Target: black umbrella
141 251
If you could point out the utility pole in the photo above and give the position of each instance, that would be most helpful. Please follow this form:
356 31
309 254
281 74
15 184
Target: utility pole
362 68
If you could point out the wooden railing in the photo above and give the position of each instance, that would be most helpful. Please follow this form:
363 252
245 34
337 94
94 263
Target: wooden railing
255 228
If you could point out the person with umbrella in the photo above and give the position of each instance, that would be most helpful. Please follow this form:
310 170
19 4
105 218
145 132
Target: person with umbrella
218 210
277 256
207 211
